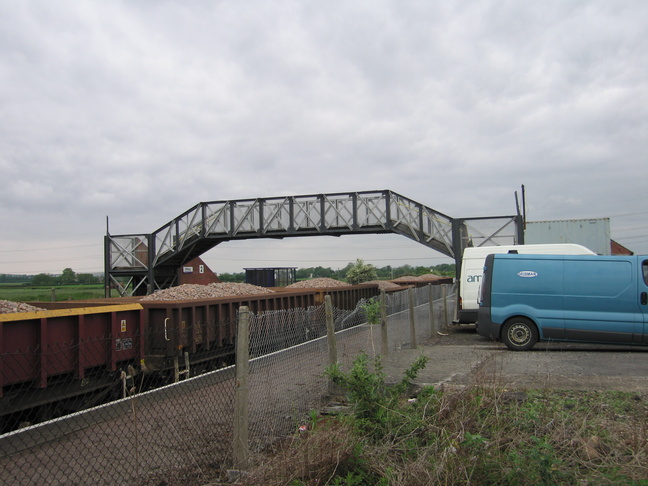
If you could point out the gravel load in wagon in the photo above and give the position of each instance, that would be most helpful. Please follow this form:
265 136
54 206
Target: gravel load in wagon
318 283
210 291
8 307
408 278
384 284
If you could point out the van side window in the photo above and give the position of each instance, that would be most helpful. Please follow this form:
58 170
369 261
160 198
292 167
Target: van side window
644 266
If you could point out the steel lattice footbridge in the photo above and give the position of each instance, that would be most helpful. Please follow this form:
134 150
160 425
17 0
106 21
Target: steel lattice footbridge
138 264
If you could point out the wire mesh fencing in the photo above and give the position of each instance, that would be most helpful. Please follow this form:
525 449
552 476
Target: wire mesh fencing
176 424
418 314
285 385
149 431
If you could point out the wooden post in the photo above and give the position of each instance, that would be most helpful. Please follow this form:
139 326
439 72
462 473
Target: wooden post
412 319
445 306
333 388
433 324
384 343
240 444
176 370
330 331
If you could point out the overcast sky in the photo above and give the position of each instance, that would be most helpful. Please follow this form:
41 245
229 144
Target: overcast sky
139 110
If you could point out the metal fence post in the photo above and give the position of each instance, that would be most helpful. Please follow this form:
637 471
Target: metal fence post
240 444
384 343
412 319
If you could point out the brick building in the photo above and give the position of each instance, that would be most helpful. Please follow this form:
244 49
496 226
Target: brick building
197 272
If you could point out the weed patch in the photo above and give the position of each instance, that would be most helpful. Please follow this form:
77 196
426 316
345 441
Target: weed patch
473 435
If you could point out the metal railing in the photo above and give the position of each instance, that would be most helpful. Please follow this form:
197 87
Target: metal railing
149 261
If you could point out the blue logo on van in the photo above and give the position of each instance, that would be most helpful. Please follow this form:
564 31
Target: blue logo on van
527 274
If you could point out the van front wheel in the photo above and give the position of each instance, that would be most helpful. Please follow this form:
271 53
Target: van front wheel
519 334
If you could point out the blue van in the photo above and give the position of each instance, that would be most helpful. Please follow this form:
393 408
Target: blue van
579 298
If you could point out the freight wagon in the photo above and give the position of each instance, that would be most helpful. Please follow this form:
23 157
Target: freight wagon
76 355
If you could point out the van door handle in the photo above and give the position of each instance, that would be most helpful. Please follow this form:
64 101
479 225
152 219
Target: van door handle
644 298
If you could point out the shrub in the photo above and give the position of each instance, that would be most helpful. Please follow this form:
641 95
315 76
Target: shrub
361 272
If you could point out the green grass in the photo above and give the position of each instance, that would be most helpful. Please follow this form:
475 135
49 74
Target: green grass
30 293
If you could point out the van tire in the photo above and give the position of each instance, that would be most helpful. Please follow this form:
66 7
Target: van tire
519 334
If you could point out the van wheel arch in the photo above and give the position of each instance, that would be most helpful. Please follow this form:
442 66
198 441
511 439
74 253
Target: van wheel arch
519 333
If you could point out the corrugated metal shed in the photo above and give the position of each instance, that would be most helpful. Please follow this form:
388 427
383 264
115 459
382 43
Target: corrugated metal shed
591 233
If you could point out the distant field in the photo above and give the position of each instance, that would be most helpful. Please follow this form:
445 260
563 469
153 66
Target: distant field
30 293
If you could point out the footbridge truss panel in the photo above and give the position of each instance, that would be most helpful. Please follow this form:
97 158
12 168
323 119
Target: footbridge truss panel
141 263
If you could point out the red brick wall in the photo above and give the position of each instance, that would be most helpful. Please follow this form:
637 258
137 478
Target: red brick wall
618 249
195 276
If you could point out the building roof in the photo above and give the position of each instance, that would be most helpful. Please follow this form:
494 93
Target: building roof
618 249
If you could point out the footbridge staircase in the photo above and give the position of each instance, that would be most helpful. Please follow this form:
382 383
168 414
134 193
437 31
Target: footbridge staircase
137 264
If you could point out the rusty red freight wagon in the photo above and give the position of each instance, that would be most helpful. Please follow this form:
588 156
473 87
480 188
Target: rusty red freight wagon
37 346
55 362
77 353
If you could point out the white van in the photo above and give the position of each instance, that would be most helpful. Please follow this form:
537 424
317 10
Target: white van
472 268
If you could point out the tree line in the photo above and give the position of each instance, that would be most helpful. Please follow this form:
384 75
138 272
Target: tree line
358 269
67 277
353 272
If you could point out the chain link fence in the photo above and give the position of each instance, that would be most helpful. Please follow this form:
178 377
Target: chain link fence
154 433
